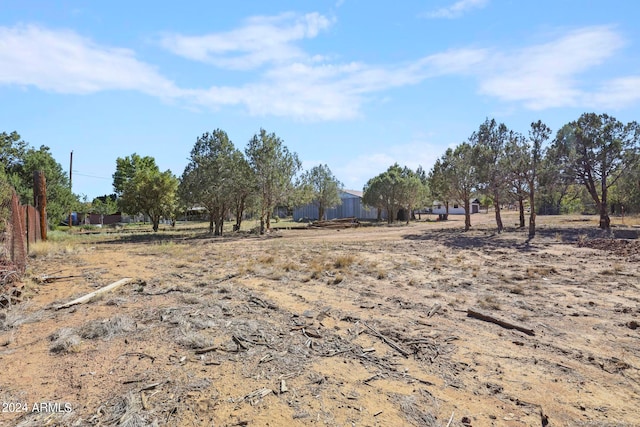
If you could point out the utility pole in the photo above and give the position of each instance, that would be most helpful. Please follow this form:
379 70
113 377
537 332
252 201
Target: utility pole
70 187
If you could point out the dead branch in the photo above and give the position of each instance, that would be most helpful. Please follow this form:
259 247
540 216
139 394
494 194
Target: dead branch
507 325
91 295
388 341
434 309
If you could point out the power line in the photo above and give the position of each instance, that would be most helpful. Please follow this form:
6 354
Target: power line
90 176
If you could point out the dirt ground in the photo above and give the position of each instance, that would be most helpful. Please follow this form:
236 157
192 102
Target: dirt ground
375 326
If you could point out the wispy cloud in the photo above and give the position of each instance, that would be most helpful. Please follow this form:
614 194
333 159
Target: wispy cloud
288 81
64 62
261 40
457 9
356 171
548 75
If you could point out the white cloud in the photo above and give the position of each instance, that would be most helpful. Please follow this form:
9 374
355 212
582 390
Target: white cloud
547 75
357 171
64 62
294 83
262 40
457 9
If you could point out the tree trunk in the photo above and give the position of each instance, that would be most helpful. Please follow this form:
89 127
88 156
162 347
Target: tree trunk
156 221
467 214
496 207
320 212
219 225
605 221
379 214
408 214
446 211
268 224
211 220
521 207
532 214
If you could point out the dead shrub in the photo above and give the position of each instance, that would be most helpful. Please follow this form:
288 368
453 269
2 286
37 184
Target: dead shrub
107 328
64 340
344 261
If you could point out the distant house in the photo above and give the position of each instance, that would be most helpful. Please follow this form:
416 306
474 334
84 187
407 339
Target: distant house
455 208
351 206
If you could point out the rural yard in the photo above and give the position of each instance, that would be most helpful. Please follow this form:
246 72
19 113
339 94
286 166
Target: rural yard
418 325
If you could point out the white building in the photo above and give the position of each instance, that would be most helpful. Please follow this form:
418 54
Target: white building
455 207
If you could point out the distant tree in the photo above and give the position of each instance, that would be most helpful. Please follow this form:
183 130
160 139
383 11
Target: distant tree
243 187
439 182
461 173
413 190
489 144
12 149
516 150
143 188
538 135
126 168
60 200
593 150
104 205
208 179
274 167
396 188
321 188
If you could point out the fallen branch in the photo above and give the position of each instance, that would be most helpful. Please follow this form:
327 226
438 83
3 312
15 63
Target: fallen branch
388 341
93 294
507 325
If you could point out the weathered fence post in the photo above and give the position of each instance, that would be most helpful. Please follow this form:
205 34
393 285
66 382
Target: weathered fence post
40 200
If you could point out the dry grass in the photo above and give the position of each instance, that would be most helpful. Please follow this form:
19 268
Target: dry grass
344 261
107 328
489 302
64 340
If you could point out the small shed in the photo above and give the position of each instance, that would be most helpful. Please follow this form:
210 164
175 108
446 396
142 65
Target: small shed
455 207
351 206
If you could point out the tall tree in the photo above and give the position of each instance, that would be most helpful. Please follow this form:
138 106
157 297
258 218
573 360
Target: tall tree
413 190
60 199
439 182
274 167
209 177
126 168
489 143
593 149
462 176
538 135
394 189
143 188
321 188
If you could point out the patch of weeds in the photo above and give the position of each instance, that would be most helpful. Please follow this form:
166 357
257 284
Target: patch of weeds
541 271
269 259
64 340
338 279
344 261
191 299
381 274
413 282
518 290
290 266
107 328
193 340
489 302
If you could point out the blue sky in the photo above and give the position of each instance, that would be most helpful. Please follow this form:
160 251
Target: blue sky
355 84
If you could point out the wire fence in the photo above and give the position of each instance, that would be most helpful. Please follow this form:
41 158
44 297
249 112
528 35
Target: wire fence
20 227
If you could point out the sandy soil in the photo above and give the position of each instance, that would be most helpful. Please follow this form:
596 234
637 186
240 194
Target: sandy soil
357 327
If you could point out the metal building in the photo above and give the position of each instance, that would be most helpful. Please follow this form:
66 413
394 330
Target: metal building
351 206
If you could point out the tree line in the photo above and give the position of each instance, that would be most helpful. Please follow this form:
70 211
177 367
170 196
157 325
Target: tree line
224 181
595 157
592 160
